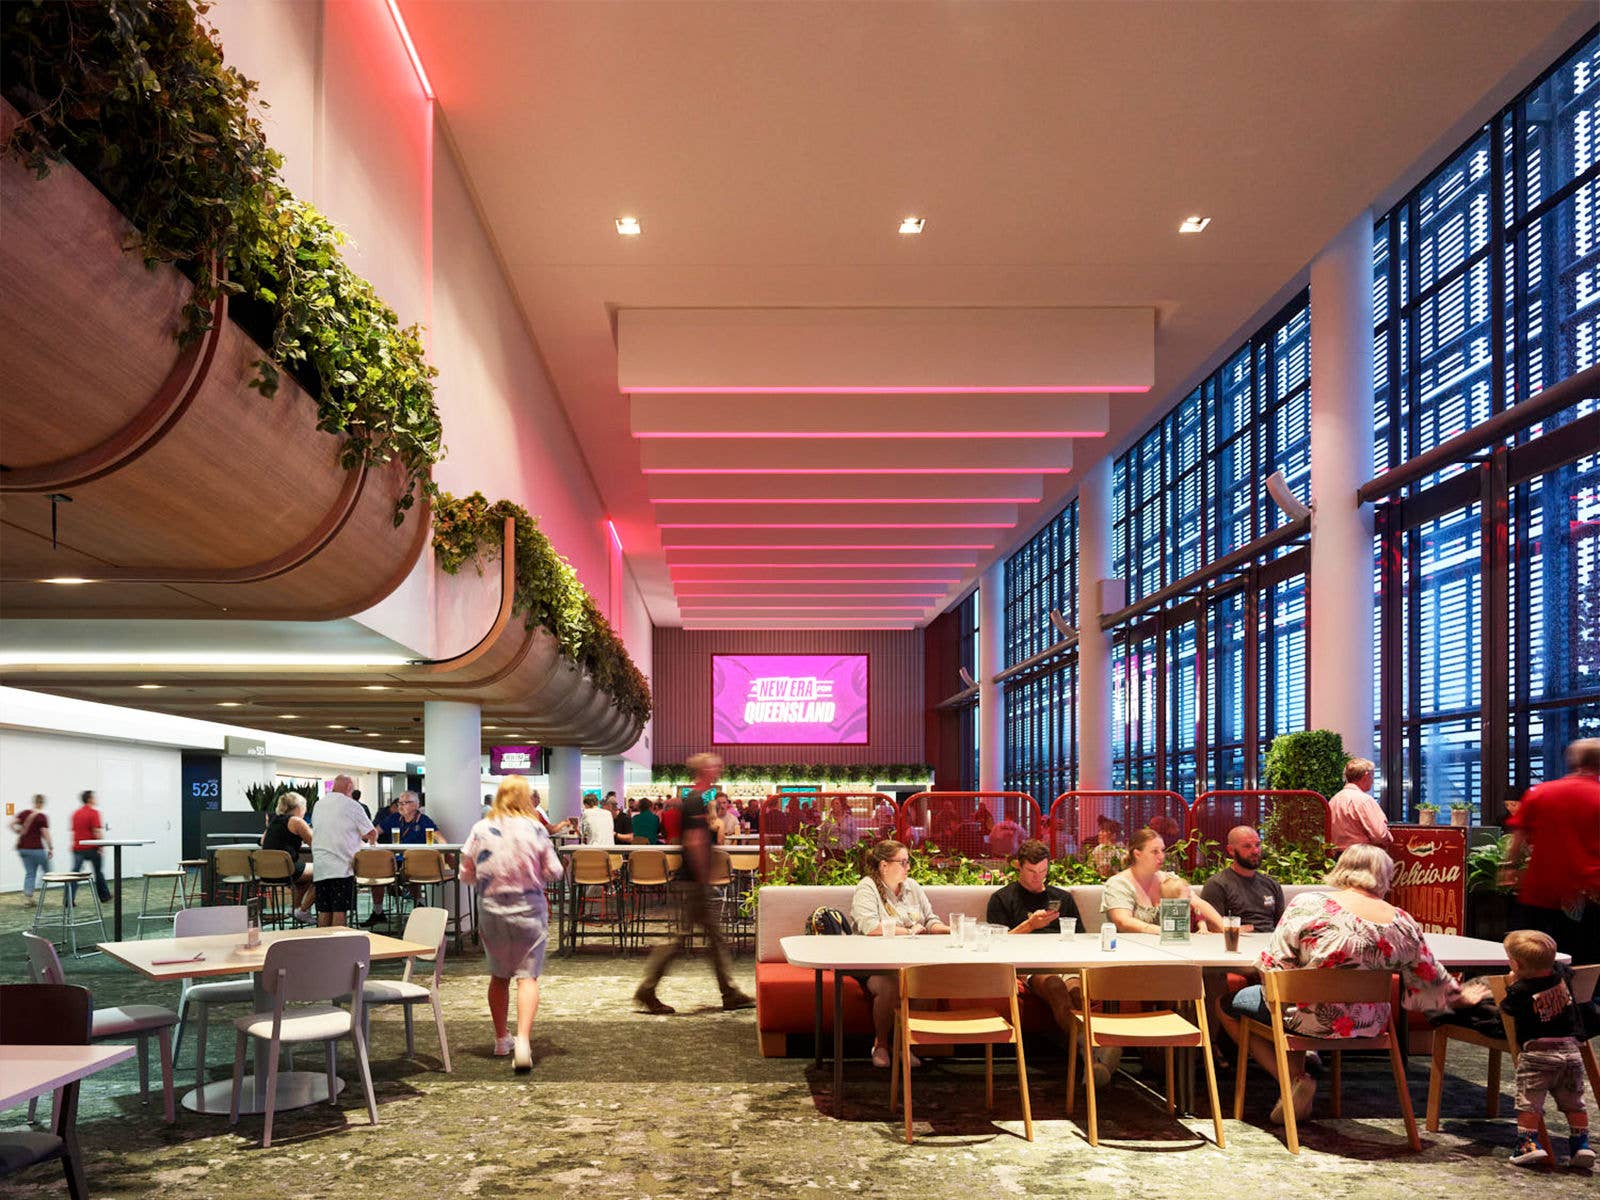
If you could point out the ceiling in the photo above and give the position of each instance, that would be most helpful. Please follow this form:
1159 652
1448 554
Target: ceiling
770 150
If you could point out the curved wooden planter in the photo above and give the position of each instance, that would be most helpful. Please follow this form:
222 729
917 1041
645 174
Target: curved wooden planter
192 495
516 674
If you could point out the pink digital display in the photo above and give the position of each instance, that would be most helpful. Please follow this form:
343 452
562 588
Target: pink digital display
789 699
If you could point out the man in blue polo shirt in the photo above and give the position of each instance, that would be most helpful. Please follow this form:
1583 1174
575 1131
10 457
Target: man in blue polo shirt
412 826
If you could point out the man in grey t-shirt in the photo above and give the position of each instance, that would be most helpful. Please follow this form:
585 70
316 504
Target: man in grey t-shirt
1241 889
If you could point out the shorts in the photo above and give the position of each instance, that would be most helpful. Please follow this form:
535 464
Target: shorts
1249 1002
336 895
1558 1071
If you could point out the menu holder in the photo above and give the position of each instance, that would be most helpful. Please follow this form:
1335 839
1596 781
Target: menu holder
1174 920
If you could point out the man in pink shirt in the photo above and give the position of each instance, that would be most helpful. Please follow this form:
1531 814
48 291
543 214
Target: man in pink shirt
1357 819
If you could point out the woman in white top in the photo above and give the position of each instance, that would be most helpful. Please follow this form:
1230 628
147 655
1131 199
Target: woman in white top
1132 899
887 903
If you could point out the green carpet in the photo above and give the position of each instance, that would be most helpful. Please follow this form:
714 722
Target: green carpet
625 1105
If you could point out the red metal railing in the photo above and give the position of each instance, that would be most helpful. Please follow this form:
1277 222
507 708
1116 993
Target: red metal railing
839 820
1296 816
975 824
1100 822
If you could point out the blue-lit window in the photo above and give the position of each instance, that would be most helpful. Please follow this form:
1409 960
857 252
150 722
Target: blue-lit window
1486 289
1041 705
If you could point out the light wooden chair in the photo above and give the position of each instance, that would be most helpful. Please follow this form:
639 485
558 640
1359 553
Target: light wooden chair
230 869
1165 1027
429 927
593 879
273 874
1322 986
376 869
647 878
983 989
323 969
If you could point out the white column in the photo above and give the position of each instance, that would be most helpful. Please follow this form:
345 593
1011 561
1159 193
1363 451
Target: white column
452 734
1094 645
991 659
1340 585
566 783
614 778
452 744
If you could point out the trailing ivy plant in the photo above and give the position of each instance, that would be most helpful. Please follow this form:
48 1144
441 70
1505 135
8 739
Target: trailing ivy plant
136 95
546 591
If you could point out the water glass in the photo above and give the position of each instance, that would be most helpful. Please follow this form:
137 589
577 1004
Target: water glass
958 929
985 935
1069 926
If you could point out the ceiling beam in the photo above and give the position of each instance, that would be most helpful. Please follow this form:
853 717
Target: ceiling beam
674 491
814 456
735 417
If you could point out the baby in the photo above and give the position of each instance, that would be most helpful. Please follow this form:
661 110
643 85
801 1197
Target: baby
1549 1026
1201 914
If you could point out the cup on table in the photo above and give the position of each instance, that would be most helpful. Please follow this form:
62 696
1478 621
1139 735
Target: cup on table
958 928
984 938
1069 926
1230 934
889 928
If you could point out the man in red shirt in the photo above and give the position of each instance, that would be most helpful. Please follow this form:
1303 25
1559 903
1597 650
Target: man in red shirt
672 823
1560 892
86 827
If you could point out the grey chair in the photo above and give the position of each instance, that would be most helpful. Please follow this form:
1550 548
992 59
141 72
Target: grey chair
199 922
47 1014
140 1021
430 927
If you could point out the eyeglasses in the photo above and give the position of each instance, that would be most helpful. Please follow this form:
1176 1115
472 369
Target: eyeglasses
898 862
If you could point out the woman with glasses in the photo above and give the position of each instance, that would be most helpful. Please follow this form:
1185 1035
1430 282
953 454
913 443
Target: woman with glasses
888 903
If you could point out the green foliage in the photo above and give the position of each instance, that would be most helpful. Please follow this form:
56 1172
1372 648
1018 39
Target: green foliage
264 797
546 592
1310 760
1425 806
1292 860
1484 863
136 95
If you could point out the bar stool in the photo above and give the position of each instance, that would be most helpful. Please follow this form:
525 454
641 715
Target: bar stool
69 921
273 873
375 869
194 881
231 872
591 870
174 899
427 868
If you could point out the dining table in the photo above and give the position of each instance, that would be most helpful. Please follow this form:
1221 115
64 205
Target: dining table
1055 952
27 1072
116 845
171 960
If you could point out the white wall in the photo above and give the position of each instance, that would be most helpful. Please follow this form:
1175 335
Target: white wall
136 788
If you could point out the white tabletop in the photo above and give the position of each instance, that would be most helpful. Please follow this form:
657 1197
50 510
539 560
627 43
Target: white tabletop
223 954
618 847
29 1071
1037 952
119 842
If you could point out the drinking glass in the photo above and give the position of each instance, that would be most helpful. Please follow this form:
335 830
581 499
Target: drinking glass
1230 934
985 935
1069 926
890 927
958 929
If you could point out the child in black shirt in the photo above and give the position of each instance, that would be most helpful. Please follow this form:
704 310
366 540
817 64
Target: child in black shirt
1549 1027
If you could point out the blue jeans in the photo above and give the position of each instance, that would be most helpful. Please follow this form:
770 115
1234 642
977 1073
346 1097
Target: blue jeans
1250 1002
92 857
34 862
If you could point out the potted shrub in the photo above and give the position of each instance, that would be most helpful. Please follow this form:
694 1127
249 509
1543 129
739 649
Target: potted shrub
1311 760
1461 813
1427 814
1488 902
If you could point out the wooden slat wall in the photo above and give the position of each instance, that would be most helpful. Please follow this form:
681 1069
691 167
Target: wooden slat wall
681 684
942 727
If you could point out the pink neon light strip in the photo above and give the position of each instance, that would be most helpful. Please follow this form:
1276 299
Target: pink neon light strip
874 433
411 49
859 471
809 566
611 525
834 546
917 390
804 607
748 500
812 579
689 596
837 525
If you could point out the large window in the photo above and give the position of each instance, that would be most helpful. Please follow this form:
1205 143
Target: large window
1486 283
1041 705
967 626
1194 707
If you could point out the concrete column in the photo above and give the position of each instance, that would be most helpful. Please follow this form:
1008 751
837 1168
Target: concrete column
1340 585
991 660
1094 646
452 734
566 783
614 778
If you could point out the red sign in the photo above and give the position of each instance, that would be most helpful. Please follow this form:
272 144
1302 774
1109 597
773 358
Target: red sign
1430 875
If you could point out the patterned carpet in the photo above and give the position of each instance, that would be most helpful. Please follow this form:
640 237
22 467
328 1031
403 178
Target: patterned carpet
625 1105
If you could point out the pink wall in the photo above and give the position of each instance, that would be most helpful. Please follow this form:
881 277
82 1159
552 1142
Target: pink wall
682 682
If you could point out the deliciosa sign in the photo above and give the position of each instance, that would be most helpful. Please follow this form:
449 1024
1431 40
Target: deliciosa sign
1430 877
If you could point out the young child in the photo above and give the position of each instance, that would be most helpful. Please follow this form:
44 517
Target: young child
1202 915
1548 1026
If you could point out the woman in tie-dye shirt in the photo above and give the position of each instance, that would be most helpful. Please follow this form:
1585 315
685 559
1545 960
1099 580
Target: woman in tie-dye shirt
509 859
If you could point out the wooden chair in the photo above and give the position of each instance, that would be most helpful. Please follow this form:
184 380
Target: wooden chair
230 869
1166 1027
1322 986
273 875
647 877
985 988
47 1014
593 879
376 869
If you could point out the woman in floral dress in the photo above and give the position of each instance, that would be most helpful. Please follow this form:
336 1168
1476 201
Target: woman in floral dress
1352 927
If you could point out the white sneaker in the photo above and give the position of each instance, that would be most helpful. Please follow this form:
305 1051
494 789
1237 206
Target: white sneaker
304 917
521 1056
502 1046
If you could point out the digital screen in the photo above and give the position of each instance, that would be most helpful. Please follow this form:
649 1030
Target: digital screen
513 760
789 699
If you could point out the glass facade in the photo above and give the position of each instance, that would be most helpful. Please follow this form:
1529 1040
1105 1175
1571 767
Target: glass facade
1486 287
1192 706
1041 705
